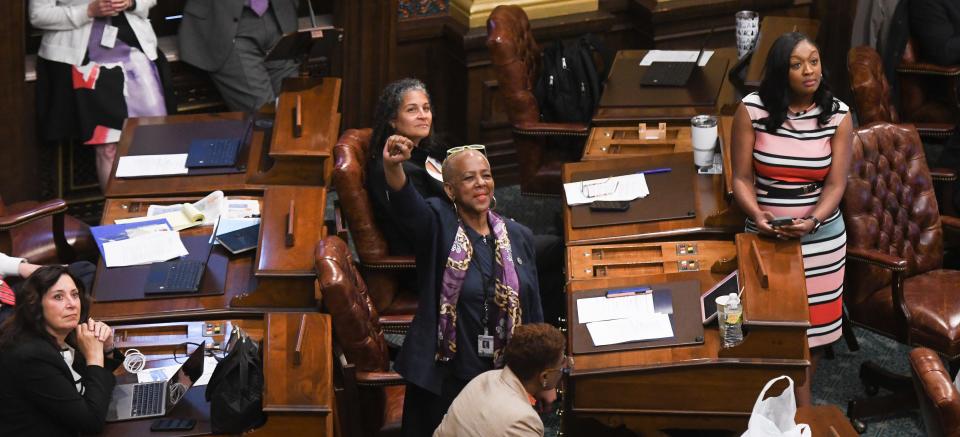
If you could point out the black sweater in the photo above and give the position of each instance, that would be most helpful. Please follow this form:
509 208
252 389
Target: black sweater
38 396
936 26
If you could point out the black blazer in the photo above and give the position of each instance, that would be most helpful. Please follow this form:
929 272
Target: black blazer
433 224
38 396
936 26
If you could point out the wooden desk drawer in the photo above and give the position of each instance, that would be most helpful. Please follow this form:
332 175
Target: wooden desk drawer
622 260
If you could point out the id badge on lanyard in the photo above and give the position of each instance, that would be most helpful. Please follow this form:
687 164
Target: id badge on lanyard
109 38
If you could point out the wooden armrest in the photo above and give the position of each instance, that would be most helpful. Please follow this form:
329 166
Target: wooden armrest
390 262
879 259
379 379
930 69
943 174
45 209
553 129
950 222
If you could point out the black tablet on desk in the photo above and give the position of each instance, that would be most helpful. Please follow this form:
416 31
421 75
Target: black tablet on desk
708 304
241 240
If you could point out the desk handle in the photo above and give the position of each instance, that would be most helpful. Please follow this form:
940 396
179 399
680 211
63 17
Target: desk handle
288 236
302 332
298 118
760 266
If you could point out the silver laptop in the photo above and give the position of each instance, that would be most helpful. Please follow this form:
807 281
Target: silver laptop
152 399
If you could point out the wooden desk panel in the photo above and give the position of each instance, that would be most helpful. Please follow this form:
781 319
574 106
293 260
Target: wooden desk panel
620 260
244 294
715 217
274 257
162 340
611 142
697 386
726 100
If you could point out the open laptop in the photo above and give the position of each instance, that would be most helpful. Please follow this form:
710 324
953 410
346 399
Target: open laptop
672 73
153 399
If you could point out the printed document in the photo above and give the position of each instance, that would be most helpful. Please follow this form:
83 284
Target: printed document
649 327
614 188
143 249
595 309
152 165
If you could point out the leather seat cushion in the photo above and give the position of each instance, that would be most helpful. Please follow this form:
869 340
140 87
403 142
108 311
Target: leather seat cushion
933 300
404 303
34 240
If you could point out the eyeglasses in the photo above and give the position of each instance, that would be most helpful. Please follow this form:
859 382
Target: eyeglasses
455 150
566 367
600 188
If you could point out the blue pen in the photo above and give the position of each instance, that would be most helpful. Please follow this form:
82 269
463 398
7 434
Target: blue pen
655 170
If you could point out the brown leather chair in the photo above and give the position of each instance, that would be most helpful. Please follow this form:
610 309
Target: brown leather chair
895 284
938 397
872 102
43 233
384 274
928 92
541 147
369 394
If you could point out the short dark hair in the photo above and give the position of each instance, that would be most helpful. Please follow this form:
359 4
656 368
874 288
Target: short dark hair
533 348
28 316
775 86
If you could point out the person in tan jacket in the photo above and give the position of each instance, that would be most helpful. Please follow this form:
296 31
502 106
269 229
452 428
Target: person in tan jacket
501 402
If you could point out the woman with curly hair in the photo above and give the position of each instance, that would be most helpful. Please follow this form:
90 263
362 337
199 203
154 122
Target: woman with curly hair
57 363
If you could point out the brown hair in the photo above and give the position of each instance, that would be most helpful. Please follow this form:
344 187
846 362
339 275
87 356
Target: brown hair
533 348
28 318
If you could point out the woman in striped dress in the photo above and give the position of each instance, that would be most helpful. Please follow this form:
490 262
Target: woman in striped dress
791 154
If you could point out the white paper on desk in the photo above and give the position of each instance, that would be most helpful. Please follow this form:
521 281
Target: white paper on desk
143 249
167 372
152 165
593 309
240 208
616 188
649 327
676 56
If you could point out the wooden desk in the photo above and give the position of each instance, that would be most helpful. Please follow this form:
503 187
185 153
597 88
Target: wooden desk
274 276
699 386
274 155
640 259
296 397
727 98
716 217
610 142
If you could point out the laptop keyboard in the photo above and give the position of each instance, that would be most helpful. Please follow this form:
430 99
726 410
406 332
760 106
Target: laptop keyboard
147 399
179 276
223 151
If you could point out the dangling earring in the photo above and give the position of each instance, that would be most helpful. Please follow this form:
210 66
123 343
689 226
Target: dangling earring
544 384
493 204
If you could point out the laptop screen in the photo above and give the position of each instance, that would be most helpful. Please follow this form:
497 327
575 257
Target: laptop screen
186 376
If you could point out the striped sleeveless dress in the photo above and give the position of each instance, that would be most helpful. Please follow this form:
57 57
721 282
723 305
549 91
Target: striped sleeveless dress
797 155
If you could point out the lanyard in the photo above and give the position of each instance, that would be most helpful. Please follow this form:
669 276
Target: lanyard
488 282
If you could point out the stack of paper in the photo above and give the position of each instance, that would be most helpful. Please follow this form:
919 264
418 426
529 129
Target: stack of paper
180 216
152 165
676 56
623 319
138 243
614 188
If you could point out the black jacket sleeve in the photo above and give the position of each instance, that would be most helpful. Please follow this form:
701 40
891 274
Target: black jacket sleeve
46 384
936 26
412 212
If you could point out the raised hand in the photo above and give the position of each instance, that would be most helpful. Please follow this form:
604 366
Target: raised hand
397 149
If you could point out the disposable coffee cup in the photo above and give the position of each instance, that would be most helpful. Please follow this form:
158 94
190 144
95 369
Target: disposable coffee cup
721 302
703 130
748 30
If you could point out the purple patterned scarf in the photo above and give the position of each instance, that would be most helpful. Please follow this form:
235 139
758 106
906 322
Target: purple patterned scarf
506 296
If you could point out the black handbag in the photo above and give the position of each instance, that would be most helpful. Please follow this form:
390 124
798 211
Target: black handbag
235 390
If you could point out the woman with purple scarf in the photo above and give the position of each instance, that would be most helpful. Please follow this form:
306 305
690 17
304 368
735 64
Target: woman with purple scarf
98 64
477 275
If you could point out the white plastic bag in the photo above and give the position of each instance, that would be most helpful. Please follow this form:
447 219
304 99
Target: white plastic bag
774 416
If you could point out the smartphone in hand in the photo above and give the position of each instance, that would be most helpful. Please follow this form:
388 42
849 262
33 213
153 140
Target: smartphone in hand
781 221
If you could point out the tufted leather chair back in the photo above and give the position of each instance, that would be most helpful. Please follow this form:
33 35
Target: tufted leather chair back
355 320
349 177
889 205
516 60
871 91
938 397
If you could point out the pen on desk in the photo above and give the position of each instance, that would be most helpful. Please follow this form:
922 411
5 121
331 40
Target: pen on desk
628 292
655 170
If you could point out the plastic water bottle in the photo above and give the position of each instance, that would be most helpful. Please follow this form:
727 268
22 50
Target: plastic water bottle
732 332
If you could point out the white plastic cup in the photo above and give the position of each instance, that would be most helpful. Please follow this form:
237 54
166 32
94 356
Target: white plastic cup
721 302
703 130
748 30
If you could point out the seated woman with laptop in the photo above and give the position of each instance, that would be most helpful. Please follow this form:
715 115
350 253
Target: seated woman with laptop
57 363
